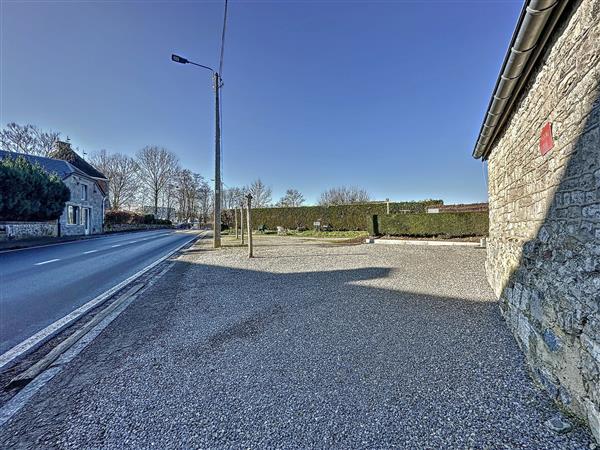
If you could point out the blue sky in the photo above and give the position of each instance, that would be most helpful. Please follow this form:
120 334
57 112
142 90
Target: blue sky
388 96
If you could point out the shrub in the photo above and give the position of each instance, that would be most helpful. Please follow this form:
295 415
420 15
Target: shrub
340 218
128 217
29 193
120 217
431 225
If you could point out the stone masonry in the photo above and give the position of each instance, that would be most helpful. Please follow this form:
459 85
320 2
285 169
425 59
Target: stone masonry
544 245
95 203
20 230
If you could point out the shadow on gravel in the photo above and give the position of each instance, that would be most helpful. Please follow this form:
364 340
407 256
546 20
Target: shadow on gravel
219 356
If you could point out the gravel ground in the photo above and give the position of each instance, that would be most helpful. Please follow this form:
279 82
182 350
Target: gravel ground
308 345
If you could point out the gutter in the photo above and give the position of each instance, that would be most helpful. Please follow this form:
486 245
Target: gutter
536 23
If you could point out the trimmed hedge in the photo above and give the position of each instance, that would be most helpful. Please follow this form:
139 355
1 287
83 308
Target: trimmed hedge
128 217
340 217
29 193
431 225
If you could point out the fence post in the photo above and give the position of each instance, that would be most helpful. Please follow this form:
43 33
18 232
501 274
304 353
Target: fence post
249 221
236 223
242 222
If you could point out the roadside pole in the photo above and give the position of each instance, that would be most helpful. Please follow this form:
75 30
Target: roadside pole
217 206
236 223
242 222
249 220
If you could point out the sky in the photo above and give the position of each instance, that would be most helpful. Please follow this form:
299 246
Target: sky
384 95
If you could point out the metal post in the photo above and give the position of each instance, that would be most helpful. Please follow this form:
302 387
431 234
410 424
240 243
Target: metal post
217 206
249 220
236 223
387 201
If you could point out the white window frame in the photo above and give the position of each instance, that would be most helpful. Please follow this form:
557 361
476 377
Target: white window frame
84 191
76 211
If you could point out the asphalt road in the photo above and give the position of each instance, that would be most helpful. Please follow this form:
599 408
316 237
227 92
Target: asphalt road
41 285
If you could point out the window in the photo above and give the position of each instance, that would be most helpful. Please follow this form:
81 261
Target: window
84 192
72 215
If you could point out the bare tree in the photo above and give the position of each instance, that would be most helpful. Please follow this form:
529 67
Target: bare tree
261 194
157 168
121 172
233 197
344 195
292 198
45 141
205 201
190 195
27 139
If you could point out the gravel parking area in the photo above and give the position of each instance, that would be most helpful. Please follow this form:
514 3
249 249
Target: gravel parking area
309 345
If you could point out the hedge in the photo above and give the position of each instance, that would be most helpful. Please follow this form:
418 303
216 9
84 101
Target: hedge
431 225
128 217
340 218
29 193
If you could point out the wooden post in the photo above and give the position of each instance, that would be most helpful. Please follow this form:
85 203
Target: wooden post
236 223
249 221
387 201
242 222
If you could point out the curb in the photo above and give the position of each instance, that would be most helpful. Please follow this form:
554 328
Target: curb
417 242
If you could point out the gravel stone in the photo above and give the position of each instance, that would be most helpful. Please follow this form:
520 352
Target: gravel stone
309 345
559 425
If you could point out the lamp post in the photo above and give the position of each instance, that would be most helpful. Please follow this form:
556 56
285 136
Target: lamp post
217 201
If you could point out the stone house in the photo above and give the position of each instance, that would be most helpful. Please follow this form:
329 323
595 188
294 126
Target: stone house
541 141
84 212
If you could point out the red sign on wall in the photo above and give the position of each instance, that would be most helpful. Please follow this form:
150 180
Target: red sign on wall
546 141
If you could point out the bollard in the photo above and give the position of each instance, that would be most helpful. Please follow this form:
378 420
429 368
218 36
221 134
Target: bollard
249 221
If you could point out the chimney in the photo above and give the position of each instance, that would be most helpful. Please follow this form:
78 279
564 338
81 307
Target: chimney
60 146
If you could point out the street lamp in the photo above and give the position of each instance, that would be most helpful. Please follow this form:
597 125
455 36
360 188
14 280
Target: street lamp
217 206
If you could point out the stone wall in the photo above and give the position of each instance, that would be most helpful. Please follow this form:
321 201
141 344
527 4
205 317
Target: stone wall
544 245
24 230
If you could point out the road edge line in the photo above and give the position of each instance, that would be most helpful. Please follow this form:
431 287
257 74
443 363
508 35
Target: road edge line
10 357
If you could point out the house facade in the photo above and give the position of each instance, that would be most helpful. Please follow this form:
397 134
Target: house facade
541 141
84 212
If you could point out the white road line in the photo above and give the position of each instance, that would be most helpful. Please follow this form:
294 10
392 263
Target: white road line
28 345
90 251
117 245
133 242
76 241
46 262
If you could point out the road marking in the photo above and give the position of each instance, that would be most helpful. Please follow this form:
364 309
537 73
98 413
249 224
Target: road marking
42 336
117 245
76 241
46 262
90 251
133 242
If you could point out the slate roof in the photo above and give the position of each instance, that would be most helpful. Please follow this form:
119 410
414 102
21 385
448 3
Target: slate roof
65 153
51 165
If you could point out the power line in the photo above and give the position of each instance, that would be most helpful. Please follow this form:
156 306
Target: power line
223 40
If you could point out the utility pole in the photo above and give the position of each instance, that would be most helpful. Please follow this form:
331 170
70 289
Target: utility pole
217 206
